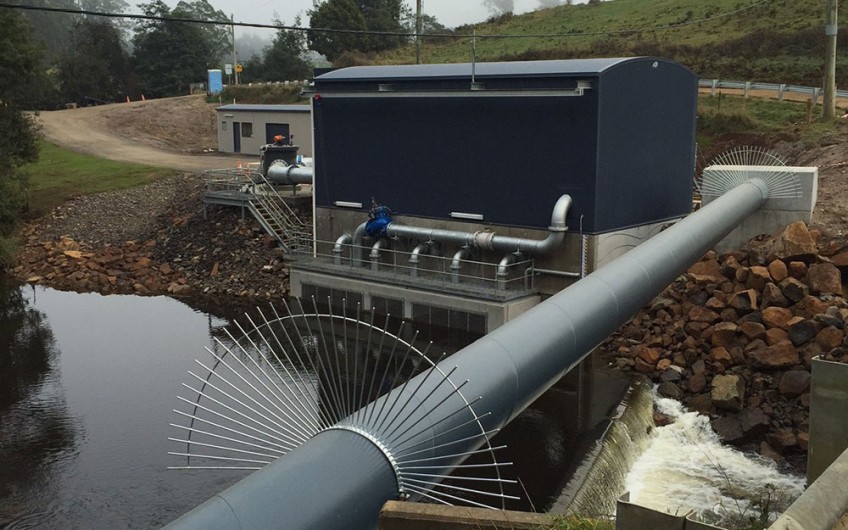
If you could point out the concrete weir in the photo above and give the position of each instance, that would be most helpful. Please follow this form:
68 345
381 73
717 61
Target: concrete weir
597 482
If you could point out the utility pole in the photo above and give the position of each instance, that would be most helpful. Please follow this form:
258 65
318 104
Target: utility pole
830 29
418 26
233 36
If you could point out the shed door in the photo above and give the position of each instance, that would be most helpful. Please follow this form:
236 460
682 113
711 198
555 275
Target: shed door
236 137
273 129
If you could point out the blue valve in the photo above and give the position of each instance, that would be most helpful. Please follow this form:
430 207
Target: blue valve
379 218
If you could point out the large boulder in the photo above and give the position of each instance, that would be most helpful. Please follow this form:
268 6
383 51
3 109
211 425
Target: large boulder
795 244
840 260
803 331
830 337
773 296
754 422
702 314
783 440
744 301
780 355
794 383
706 271
809 307
728 392
728 429
753 330
758 277
778 270
776 317
724 334
794 290
824 278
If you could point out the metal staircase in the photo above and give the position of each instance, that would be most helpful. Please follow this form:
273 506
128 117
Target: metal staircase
249 189
275 216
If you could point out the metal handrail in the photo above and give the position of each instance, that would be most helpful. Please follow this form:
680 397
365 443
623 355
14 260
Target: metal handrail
278 206
431 270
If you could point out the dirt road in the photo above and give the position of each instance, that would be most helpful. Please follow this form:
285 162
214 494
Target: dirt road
172 133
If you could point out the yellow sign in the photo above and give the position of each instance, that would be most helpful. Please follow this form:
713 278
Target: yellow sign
239 68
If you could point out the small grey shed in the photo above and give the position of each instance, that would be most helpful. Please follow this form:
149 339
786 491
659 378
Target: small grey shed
245 128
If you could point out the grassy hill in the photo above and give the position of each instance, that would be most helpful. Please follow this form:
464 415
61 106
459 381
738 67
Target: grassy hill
762 40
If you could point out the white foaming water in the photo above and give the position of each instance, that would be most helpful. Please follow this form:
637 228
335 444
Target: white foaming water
686 470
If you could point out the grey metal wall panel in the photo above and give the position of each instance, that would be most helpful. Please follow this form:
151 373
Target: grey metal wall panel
509 159
829 402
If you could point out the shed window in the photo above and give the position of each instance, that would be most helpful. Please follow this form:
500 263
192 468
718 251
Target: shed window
223 126
246 130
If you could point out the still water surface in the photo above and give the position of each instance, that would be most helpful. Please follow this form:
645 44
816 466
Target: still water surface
86 386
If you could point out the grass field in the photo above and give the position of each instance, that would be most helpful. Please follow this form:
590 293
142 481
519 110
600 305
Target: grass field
725 115
770 41
61 174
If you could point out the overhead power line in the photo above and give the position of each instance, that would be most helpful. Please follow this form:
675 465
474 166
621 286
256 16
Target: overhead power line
381 33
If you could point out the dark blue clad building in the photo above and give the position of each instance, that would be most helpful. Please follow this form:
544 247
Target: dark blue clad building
501 141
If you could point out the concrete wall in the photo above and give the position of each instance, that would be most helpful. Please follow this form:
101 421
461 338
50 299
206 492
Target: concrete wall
796 204
300 125
419 516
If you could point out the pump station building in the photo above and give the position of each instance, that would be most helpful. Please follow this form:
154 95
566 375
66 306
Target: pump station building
498 183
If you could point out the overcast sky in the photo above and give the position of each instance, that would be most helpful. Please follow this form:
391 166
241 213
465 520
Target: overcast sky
451 13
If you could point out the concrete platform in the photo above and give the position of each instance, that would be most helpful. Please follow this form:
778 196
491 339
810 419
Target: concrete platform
418 516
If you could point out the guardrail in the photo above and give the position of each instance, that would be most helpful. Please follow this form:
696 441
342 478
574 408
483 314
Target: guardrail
779 88
401 267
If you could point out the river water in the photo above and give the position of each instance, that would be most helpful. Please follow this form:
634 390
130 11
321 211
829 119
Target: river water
87 383
87 386
686 470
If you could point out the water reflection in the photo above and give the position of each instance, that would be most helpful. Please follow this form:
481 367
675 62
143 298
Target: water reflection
26 346
35 426
86 386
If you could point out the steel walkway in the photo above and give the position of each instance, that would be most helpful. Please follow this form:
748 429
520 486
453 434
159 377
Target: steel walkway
249 190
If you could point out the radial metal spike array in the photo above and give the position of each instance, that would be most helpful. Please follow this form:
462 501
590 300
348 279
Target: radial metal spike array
733 167
292 374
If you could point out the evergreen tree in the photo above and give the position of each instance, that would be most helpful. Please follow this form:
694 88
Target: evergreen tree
22 76
283 60
171 55
95 65
390 16
337 14
53 30
23 68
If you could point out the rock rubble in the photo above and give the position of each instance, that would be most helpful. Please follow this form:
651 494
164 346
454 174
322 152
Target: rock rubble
154 240
734 337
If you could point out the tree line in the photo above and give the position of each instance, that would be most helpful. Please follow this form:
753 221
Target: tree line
89 59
